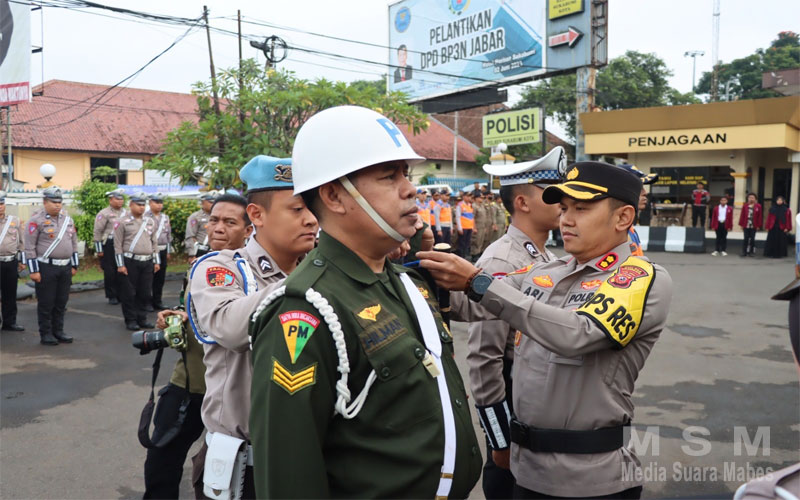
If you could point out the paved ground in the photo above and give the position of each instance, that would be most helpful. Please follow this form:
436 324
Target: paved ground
68 414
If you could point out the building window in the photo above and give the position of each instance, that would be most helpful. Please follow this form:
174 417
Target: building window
120 177
438 166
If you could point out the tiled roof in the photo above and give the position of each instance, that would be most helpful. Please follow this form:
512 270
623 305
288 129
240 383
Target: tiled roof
436 143
137 121
125 121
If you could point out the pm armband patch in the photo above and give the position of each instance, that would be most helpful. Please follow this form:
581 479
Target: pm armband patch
617 306
291 381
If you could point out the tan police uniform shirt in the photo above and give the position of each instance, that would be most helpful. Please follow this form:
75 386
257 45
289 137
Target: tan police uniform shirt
567 372
125 234
13 241
42 230
222 310
104 224
164 236
492 340
196 231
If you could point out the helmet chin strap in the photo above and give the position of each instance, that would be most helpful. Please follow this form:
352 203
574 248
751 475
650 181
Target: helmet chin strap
375 216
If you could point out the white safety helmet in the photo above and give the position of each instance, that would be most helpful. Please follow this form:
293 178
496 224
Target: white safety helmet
342 140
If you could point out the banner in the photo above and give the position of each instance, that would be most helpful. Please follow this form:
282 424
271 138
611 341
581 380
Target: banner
15 52
441 47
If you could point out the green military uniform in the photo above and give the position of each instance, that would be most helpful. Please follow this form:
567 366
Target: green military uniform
395 445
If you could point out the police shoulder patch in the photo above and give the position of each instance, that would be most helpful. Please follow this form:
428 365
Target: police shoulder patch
290 381
607 261
298 326
617 306
219 276
32 227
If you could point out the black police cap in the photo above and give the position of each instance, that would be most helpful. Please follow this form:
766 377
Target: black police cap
594 180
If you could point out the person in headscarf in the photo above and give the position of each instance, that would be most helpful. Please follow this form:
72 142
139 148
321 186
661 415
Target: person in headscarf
779 223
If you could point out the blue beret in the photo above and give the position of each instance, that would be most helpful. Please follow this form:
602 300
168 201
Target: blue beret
266 172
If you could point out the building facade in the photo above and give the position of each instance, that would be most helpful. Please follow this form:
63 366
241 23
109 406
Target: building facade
734 148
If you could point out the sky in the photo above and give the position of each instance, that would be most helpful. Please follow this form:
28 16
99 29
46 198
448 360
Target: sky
81 46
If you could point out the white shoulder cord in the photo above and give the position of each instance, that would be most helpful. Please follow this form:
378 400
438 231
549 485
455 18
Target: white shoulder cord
342 405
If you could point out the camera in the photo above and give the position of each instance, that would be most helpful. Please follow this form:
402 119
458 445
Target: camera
172 336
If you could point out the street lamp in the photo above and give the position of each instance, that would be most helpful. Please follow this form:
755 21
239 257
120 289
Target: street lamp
693 54
47 171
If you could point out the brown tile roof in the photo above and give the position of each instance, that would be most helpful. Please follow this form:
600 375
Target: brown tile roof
436 143
125 121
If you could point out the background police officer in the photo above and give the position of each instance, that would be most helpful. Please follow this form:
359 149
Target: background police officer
104 225
196 241
137 258
51 248
490 357
12 260
164 240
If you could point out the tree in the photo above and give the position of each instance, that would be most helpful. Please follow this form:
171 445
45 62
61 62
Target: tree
633 80
262 118
744 74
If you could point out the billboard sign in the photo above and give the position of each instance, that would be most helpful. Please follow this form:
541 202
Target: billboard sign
520 126
443 47
561 8
15 52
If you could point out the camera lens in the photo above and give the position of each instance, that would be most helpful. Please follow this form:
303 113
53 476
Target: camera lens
148 341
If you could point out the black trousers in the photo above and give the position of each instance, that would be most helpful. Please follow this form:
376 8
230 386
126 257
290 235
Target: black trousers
109 266
498 483
52 293
749 243
163 467
8 292
722 238
699 212
445 236
629 494
159 278
136 289
464 241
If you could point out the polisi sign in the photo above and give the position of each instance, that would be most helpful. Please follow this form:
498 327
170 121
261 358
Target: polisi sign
514 127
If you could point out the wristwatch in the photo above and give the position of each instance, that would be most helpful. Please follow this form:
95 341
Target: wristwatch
478 286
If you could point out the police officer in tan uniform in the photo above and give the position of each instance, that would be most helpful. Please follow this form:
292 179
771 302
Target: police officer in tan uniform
491 343
196 241
226 287
587 324
483 224
12 261
164 240
137 258
104 225
51 248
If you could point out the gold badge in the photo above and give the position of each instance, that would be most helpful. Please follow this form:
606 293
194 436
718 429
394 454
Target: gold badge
290 381
283 173
572 174
370 313
423 291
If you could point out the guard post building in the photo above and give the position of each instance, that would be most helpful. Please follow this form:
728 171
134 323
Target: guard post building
734 148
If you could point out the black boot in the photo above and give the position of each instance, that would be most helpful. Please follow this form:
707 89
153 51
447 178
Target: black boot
63 338
48 339
14 327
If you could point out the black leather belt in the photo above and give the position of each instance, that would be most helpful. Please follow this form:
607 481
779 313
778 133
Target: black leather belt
567 441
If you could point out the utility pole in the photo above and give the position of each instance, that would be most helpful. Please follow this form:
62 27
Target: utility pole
211 60
693 54
241 77
10 160
455 148
584 100
715 51
544 130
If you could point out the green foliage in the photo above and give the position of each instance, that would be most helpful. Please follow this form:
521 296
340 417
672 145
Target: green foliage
178 211
633 80
262 118
745 74
90 196
104 173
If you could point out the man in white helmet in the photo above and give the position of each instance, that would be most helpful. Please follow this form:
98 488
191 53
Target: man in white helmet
357 392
